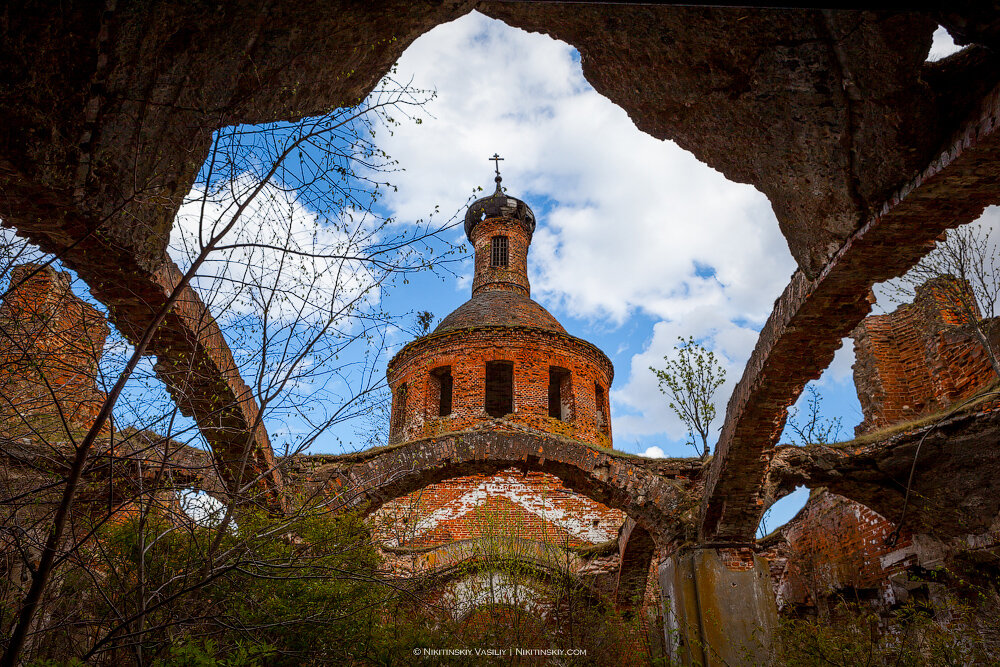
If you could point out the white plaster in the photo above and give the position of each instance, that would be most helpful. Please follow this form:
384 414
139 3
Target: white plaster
492 588
577 523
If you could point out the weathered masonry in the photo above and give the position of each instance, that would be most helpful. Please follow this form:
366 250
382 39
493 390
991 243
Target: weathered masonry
922 357
500 354
500 364
866 151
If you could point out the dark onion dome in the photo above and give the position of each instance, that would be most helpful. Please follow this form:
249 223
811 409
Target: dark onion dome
498 205
496 308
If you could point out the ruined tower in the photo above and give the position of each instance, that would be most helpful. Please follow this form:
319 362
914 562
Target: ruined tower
922 357
500 361
500 355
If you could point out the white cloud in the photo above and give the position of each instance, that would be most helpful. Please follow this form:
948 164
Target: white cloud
647 409
942 45
628 223
653 452
279 256
841 368
202 508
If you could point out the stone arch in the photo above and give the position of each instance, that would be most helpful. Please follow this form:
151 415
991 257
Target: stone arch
519 571
636 548
655 494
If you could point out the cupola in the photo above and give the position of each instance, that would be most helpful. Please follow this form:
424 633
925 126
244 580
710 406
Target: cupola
500 355
500 228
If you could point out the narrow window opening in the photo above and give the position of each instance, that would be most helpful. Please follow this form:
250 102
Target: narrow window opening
398 420
441 386
499 388
498 252
601 402
560 393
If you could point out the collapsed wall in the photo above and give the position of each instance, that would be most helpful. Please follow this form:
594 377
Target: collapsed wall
836 550
920 358
834 547
50 344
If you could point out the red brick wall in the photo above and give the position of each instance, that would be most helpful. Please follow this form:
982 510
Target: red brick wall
535 506
513 277
500 323
50 343
834 546
532 352
918 359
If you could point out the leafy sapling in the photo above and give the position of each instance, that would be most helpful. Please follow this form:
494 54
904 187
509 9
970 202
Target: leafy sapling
689 380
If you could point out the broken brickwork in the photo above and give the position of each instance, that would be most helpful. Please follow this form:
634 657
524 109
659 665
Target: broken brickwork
500 354
834 548
534 506
512 275
533 352
501 362
920 358
50 343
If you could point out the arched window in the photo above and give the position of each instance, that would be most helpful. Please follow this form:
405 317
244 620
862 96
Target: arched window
499 255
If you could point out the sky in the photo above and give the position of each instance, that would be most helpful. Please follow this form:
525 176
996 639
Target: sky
638 243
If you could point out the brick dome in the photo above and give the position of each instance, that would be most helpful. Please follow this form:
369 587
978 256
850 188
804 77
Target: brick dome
495 308
500 355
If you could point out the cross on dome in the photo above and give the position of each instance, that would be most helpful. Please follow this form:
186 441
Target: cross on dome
496 161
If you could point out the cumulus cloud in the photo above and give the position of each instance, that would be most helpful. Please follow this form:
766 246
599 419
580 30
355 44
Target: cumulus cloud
653 452
942 45
645 409
628 224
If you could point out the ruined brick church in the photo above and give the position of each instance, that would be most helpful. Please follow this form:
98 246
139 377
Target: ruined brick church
866 148
500 361
499 417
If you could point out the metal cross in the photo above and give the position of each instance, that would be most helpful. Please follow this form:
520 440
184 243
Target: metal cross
496 159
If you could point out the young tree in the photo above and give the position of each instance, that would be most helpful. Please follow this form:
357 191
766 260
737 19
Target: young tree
965 269
813 428
689 380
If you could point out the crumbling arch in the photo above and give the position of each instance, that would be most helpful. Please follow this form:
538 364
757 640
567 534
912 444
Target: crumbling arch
636 548
654 493
521 570
803 88
956 482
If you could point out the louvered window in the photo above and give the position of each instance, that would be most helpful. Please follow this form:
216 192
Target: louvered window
499 253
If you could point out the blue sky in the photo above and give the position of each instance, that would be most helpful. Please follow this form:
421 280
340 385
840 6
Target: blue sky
637 242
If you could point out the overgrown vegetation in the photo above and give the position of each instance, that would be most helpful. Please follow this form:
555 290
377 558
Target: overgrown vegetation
951 630
152 591
515 590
